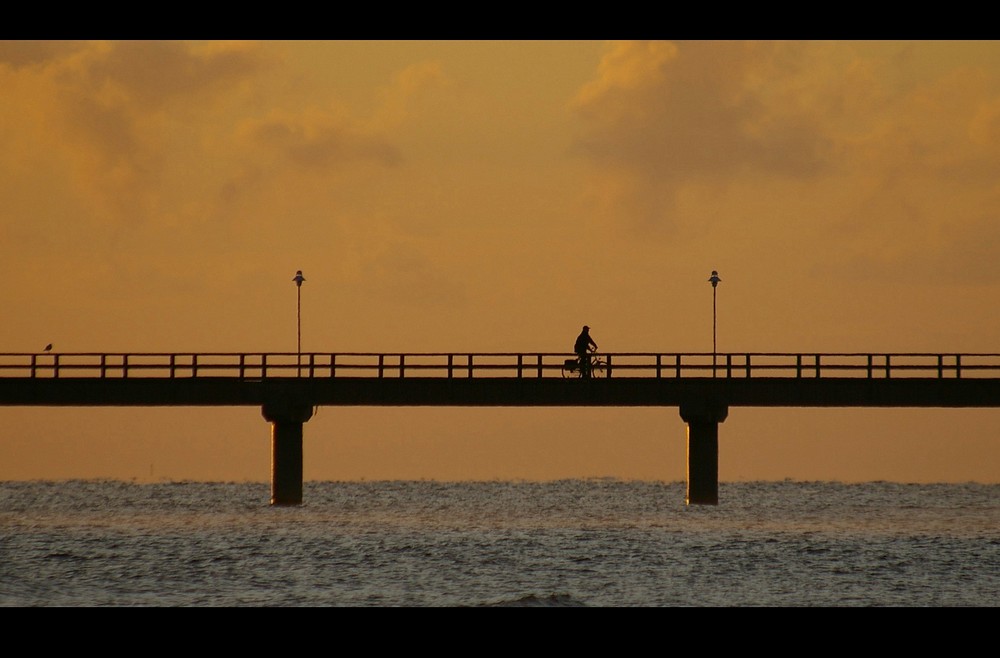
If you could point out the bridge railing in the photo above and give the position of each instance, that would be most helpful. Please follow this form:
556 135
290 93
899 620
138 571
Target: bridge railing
253 366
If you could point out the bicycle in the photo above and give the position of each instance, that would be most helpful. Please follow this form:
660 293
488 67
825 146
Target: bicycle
598 368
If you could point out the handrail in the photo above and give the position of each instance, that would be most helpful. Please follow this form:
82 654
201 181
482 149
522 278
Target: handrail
312 365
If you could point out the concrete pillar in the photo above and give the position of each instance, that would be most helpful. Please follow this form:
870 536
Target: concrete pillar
703 451
286 450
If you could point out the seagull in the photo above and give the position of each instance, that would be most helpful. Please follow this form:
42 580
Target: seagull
48 348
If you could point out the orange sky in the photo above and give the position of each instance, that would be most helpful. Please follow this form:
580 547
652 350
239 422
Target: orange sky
158 196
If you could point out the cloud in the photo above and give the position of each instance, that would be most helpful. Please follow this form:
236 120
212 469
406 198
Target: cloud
31 52
403 275
317 139
409 86
662 115
157 74
884 143
111 116
697 109
330 136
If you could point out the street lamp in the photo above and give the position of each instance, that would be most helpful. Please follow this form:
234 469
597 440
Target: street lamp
714 280
298 279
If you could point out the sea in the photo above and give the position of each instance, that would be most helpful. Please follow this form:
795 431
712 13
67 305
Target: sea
594 543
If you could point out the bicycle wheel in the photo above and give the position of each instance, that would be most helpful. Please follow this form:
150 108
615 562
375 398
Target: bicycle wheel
599 369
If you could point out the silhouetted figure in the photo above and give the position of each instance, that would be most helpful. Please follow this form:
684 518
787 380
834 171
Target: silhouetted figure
48 348
583 345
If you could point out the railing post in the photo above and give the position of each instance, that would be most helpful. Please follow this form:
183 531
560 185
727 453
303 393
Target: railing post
104 366
451 364
539 358
312 365
748 366
798 366
520 364
609 365
402 358
381 365
677 365
887 366
34 358
940 366
333 366
659 364
242 366
869 366
263 366
958 366
124 366
55 366
817 366
470 366
729 366
194 365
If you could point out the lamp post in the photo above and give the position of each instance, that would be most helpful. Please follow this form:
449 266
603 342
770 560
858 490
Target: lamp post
714 280
298 279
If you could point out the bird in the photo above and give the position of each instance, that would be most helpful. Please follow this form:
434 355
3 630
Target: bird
48 348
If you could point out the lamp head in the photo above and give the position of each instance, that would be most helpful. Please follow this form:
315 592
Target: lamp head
299 278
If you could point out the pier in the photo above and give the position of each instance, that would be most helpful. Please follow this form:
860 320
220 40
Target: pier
288 387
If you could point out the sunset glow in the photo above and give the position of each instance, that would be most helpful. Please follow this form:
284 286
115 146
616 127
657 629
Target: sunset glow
495 196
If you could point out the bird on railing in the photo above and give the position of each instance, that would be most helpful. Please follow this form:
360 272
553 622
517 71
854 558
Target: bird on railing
48 348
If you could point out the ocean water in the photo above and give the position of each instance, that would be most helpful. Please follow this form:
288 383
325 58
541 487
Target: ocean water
587 543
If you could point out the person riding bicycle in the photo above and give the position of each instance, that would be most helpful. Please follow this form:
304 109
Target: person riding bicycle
582 348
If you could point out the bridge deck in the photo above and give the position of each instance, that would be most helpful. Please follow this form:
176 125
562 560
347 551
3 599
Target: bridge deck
495 364
499 379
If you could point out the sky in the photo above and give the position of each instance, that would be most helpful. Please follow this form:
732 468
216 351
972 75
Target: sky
495 196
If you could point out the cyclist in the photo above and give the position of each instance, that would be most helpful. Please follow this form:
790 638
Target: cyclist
582 348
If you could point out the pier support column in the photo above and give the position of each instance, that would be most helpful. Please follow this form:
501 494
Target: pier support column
703 451
286 450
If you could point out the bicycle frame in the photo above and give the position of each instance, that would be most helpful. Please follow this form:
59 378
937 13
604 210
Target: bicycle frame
597 368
